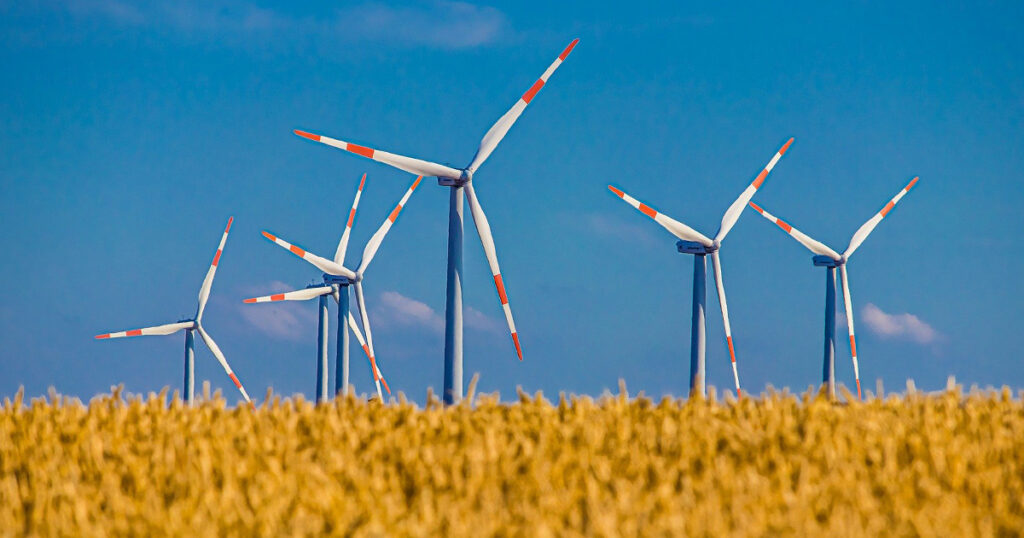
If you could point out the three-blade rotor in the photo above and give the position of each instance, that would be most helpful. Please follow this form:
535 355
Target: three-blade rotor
819 248
314 292
421 167
337 268
686 233
204 296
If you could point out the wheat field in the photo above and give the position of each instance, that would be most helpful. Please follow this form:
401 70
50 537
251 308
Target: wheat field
778 464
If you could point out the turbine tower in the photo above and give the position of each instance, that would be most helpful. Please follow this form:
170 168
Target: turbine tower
338 287
461 183
336 274
189 325
830 260
693 242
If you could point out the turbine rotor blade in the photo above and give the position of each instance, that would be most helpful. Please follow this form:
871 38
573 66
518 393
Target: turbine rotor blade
297 295
374 243
849 323
736 209
813 245
170 328
369 357
716 266
204 290
674 227
361 305
322 264
359 337
223 361
339 255
866 228
483 229
413 166
500 128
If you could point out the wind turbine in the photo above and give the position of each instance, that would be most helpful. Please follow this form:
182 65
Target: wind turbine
338 287
336 274
693 242
345 321
830 259
194 324
460 181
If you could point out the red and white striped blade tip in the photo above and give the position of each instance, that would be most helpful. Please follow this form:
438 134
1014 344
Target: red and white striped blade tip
275 297
565 53
311 136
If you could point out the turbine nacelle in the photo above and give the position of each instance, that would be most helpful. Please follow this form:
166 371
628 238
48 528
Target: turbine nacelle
463 179
337 280
828 261
693 247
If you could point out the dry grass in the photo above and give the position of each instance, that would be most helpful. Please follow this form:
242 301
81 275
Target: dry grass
950 465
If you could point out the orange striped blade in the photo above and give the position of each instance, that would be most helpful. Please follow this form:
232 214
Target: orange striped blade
862 233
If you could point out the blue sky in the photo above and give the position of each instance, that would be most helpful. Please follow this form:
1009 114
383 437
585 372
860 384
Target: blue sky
132 131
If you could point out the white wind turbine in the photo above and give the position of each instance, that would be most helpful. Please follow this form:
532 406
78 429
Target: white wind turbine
338 287
696 243
830 259
337 273
460 180
194 324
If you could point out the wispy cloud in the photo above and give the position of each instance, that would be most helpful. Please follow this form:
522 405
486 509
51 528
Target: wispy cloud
432 23
396 310
905 326
477 320
286 320
115 10
617 228
438 23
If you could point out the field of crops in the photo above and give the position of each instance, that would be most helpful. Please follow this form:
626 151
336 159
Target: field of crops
949 465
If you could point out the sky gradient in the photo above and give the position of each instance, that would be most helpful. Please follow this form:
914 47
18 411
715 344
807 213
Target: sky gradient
132 131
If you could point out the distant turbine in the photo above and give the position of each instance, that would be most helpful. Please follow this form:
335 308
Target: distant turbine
337 274
830 259
338 287
460 180
196 323
345 321
693 242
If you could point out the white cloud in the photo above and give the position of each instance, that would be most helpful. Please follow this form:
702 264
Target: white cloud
433 23
286 320
477 320
394 309
906 326
112 9
439 23
619 229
